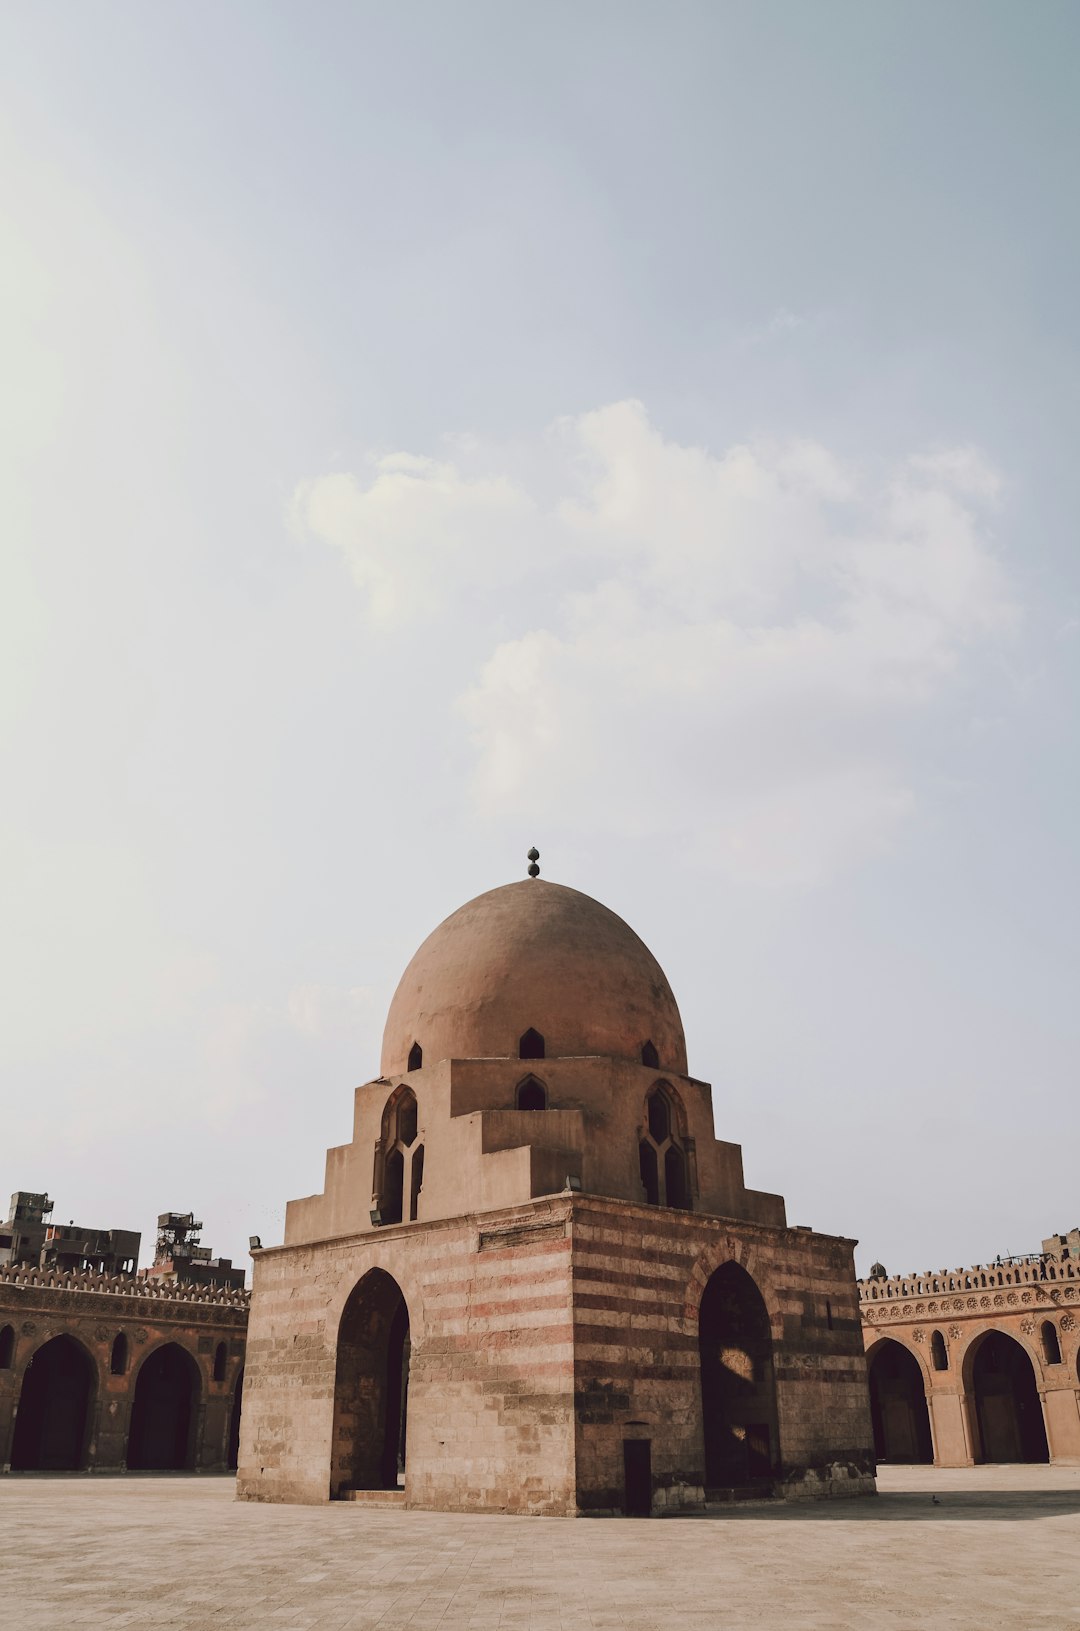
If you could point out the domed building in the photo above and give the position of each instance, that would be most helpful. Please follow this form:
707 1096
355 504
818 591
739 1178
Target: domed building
535 1280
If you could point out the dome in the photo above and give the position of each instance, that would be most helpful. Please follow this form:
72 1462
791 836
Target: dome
534 956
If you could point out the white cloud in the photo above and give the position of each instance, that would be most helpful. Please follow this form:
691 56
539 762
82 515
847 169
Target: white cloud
728 649
414 522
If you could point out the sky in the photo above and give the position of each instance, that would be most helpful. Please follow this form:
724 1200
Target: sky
646 432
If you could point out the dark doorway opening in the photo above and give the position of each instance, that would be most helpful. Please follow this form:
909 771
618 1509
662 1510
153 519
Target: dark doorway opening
371 1391
1007 1403
54 1409
898 1409
232 1454
738 1385
162 1436
637 1471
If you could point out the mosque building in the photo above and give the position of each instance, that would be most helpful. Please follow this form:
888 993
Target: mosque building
535 1280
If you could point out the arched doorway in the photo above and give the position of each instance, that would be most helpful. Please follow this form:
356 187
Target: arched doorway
898 1407
162 1434
738 1387
232 1457
54 1409
1007 1404
371 1388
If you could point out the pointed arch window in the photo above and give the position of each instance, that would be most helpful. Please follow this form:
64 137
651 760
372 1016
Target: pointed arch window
395 1159
939 1353
663 1150
531 1045
531 1094
1051 1347
649 1055
416 1056
221 1360
7 1346
118 1359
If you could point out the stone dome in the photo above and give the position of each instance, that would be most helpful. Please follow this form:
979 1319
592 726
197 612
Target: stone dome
535 956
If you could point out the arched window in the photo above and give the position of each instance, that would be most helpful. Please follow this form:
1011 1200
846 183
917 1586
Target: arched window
393 1160
531 1094
416 1056
531 1045
221 1357
1051 1347
393 1187
662 1153
118 1359
416 1181
7 1346
649 1056
939 1354
650 1178
675 1177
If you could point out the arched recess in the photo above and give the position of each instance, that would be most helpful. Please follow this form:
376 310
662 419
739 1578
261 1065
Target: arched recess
531 1045
7 1346
738 1383
232 1449
118 1358
1051 1346
371 1388
531 1094
164 1411
939 1353
1000 1377
53 1420
395 1157
898 1408
663 1155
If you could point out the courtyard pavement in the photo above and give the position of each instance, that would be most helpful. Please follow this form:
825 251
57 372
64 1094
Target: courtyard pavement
1001 1549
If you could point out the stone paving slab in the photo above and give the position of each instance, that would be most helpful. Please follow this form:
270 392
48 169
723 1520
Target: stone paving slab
1002 1549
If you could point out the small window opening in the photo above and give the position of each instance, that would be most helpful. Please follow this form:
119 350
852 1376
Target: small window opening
649 1056
7 1346
392 1188
531 1045
118 1359
416 1181
406 1126
531 1094
650 1177
416 1056
675 1177
659 1119
1050 1344
221 1355
939 1354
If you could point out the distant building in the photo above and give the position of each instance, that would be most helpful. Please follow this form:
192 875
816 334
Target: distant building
105 1369
29 1239
977 1364
180 1260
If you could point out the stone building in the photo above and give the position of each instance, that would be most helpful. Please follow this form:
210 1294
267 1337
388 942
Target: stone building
977 1364
535 1281
108 1372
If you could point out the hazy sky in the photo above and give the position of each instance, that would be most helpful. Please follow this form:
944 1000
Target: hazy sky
645 431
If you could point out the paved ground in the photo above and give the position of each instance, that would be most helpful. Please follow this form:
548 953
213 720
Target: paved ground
1001 1550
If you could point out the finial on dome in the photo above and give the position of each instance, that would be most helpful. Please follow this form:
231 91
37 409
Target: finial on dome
534 856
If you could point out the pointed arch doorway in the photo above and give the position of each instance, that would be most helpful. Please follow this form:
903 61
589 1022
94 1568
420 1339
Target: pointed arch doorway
371 1388
53 1419
1007 1404
738 1384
